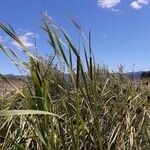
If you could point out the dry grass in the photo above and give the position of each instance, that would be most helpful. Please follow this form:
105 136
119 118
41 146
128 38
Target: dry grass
91 109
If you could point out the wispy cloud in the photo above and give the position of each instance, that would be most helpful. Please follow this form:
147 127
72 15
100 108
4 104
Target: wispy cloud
26 39
3 39
104 36
138 4
29 34
108 4
116 10
111 4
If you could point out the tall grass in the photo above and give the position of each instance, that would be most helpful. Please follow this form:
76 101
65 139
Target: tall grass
88 109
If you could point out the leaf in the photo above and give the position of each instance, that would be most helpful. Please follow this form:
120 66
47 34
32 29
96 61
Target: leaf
26 112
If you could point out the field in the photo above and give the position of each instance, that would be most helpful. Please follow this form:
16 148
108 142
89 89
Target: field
85 108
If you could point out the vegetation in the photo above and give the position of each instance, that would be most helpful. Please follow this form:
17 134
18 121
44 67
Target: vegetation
84 108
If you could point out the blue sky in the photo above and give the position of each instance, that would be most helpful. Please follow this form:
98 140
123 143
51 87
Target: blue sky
120 28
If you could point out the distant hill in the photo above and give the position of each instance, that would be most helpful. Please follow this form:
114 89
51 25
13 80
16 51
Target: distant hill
135 75
138 75
16 81
12 76
132 75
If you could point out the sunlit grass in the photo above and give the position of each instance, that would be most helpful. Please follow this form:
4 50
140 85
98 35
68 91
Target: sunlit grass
86 108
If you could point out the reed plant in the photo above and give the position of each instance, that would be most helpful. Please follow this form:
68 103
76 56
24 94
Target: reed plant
86 108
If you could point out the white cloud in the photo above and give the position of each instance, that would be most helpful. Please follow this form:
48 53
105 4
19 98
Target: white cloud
138 4
26 39
104 36
3 39
135 5
29 34
108 4
115 10
143 2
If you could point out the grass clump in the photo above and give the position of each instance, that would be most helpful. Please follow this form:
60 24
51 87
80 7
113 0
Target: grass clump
81 109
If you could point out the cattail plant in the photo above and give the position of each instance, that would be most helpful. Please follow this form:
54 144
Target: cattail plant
109 113
90 52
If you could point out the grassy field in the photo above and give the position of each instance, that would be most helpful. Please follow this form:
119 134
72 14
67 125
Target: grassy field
86 108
